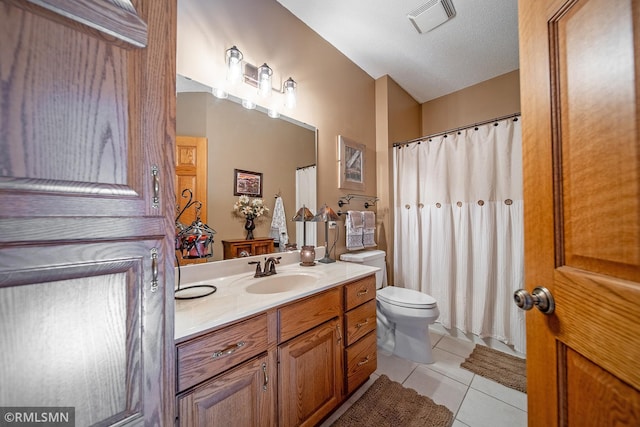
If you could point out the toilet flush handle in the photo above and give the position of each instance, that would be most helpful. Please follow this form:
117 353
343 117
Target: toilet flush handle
540 297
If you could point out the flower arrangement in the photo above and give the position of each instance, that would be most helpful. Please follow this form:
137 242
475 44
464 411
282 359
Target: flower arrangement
250 208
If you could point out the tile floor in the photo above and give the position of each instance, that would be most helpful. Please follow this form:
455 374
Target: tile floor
475 401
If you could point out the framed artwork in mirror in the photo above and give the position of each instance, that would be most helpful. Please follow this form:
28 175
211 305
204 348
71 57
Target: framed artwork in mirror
247 183
351 164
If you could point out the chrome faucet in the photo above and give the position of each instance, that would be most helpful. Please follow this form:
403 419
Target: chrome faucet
270 265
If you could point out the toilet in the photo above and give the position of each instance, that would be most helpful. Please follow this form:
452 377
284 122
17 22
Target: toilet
403 315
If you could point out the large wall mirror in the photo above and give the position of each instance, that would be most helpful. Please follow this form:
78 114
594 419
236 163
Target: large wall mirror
281 150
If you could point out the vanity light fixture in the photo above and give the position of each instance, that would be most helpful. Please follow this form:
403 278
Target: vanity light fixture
234 64
264 80
289 88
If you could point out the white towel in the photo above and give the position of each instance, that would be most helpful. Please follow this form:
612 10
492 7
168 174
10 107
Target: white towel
369 229
279 225
354 223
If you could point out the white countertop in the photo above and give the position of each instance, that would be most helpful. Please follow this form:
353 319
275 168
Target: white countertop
232 302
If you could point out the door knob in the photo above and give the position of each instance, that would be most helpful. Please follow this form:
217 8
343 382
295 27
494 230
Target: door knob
540 297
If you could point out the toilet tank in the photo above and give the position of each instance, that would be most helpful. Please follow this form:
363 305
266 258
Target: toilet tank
374 258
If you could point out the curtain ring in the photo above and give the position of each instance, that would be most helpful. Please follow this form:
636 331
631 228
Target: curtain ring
508 202
459 204
481 202
407 206
438 205
420 205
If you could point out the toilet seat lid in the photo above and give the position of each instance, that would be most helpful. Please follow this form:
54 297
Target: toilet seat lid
405 297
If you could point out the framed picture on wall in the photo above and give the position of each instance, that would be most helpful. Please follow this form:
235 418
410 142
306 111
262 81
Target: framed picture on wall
247 183
351 160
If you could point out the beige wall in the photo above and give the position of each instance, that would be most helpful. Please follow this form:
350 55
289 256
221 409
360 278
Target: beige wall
249 140
334 94
397 118
487 100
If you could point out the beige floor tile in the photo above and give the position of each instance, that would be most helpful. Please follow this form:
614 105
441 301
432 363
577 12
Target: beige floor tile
396 368
456 346
440 388
500 392
449 364
481 410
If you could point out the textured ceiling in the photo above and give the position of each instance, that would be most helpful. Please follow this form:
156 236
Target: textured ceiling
480 42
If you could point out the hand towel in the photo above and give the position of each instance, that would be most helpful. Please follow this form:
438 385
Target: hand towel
354 223
279 225
369 229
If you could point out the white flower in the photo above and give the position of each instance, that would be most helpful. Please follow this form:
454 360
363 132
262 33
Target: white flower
250 208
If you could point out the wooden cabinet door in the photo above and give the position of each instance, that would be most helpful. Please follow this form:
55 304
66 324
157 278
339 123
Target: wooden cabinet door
580 91
244 396
310 375
86 208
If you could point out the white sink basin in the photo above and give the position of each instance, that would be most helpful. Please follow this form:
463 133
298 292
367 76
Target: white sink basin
281 283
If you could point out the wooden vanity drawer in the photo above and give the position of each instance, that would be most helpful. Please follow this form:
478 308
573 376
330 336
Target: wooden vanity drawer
362 361
360 321
204 357
309 313
359 292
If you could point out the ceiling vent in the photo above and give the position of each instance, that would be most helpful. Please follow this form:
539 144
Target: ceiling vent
431 14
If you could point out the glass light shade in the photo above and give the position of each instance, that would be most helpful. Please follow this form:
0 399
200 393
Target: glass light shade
220 93
303 214
248 104
234 64
289 88
326 214
264 80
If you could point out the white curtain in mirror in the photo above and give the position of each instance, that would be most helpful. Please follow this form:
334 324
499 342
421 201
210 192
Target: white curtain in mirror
306 195
459 227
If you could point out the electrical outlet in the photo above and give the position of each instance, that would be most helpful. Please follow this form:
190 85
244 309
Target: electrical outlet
332 224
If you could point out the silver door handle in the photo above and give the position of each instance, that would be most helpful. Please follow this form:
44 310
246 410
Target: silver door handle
540 297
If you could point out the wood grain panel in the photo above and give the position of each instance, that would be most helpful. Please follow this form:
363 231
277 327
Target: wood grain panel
236 398
72 342
361 361
116 18
611 402
310 376
360 291
308 313
34 140
360 321
195 361
600 180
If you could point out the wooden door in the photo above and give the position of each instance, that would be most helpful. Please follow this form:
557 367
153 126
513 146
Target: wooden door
86 208
580 110
310 375
191 173
244 396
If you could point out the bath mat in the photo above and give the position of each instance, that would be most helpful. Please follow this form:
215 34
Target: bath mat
388 404
503 368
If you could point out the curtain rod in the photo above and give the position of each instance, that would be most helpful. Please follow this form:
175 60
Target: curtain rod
422 138
305 167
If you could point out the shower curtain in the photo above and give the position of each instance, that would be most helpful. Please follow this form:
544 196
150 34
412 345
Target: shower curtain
459 227
306 195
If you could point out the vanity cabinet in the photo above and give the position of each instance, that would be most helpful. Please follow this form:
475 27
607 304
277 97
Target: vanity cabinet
238 248
324 347
310 369
227 377
360 326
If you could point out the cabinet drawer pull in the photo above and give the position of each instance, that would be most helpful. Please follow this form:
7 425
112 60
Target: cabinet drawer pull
266 378
156 187
360 293
339 333
154 269
363 361
229 350
361 324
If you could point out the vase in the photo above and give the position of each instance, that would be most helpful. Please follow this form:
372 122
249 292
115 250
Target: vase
249 226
